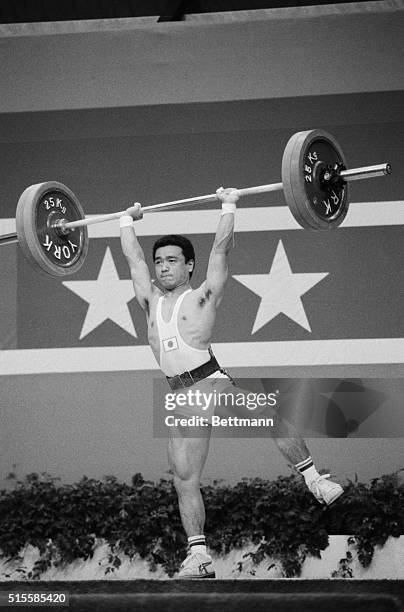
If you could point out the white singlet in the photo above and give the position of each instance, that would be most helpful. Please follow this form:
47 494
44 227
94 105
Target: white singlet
176 356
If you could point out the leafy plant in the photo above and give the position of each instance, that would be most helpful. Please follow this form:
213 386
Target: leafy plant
280 518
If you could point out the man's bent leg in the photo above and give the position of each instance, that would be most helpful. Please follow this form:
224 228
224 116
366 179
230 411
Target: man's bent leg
287 438
294 449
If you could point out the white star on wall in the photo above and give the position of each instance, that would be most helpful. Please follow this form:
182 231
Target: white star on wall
280 291
107 297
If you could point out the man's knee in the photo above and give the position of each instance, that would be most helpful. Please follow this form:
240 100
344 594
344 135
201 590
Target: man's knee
185 479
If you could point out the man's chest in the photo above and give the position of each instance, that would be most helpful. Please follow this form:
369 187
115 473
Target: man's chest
191 315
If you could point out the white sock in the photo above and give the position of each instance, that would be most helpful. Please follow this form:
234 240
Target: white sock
307 469
197 544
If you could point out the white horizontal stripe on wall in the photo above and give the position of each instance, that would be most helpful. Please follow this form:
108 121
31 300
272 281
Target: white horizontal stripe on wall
272 218
230 354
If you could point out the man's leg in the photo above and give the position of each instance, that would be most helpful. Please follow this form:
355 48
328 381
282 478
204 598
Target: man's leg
292 445
286 436
294 449
289 441
187 457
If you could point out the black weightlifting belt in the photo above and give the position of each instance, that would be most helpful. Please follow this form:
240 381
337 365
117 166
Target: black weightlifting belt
187 379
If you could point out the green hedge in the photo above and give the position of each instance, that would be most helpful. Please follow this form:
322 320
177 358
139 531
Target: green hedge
280 517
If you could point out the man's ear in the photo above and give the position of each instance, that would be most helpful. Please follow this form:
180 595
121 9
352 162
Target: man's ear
191 265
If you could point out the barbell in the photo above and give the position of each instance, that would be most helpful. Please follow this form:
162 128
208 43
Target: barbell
51 226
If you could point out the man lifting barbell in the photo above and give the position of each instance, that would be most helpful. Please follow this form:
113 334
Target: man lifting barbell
51 229
180 323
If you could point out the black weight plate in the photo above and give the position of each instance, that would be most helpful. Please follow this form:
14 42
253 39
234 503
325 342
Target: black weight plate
315 203
47 249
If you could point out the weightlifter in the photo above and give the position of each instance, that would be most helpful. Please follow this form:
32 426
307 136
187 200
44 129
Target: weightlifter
180 321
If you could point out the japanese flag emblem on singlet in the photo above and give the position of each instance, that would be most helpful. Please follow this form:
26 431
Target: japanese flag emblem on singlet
170 344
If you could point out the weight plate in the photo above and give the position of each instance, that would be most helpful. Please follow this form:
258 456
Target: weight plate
44 246
315 202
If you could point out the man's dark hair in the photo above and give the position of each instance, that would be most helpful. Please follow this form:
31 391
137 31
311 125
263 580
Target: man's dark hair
176 240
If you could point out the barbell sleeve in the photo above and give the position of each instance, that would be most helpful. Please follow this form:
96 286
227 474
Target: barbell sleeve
356 174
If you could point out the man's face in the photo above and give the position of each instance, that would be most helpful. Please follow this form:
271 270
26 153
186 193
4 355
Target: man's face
170 266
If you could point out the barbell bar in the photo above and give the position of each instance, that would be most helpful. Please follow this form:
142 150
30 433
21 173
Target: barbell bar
348 175
205 199
52 227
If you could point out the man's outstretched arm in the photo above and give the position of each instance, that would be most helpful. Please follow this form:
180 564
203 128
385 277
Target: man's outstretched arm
135 257
217 272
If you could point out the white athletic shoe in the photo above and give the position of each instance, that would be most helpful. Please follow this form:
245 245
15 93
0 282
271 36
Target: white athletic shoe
197 566
325 491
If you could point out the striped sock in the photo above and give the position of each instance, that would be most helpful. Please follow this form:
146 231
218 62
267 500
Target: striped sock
197 543
307 469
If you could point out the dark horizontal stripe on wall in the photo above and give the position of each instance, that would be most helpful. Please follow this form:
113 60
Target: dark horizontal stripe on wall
26 11
151 147
307 112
